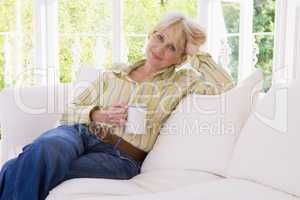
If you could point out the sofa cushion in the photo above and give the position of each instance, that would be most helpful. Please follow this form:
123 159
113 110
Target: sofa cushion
149 182
165 180
84 188
201 132
27 112
268 149
85 77
226 189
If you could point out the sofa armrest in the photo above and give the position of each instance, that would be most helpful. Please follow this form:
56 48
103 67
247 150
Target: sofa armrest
28 112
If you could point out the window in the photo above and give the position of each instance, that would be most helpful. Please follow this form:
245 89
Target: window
66 34
16 42
262 36
84 35
263 28
231 12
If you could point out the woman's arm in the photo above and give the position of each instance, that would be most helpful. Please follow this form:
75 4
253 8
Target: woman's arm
79 110
213 79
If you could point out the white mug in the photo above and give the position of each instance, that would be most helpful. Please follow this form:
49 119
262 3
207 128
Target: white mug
136 119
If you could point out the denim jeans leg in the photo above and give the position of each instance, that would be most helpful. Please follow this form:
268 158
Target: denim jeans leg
7 171
41 166
102 160
103 165
60 154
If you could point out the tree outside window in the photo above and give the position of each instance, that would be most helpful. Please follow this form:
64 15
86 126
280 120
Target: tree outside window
85 31
263 35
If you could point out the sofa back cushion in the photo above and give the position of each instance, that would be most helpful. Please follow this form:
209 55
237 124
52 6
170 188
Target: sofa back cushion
201 132
268 149
27 112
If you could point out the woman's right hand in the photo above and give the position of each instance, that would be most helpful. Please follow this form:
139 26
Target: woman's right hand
114 115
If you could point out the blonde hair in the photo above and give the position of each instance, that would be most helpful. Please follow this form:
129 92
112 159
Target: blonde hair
193 34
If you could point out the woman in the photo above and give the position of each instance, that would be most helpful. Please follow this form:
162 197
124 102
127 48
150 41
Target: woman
92 142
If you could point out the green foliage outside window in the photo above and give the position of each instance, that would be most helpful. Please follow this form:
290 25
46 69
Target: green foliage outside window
264 12
8 32
87 20
231 12
7 21
82 21
263 21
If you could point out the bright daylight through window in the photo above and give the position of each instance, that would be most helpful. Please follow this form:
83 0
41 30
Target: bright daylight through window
85 35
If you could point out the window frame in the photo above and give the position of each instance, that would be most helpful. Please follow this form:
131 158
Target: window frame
45 17
206 8
117 31
286 38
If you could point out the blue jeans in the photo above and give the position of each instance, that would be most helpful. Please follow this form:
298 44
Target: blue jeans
60 154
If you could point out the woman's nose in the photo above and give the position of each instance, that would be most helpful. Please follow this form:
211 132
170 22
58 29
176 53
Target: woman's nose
160 49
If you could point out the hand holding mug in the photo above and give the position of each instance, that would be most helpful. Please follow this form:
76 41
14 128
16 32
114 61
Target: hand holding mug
114 115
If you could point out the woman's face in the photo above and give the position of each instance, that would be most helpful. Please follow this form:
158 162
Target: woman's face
163 50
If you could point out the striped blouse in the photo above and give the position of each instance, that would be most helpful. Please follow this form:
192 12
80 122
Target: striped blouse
161 94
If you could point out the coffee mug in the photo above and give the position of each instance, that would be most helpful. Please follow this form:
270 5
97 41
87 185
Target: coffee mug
136 119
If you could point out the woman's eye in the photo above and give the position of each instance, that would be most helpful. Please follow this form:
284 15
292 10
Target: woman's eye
172 48
160 38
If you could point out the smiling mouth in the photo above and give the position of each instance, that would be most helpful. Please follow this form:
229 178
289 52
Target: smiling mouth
156 56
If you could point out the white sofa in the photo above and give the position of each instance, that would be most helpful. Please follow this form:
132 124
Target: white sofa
229 154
